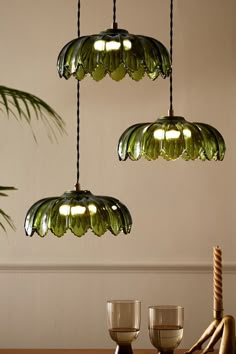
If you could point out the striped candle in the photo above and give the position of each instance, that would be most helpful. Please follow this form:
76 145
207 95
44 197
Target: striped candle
217 278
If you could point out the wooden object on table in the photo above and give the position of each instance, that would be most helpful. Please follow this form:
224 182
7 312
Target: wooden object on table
221 326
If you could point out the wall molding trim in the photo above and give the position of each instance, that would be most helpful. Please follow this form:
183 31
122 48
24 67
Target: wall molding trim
177 267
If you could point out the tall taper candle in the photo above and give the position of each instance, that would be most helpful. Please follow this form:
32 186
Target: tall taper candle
217 277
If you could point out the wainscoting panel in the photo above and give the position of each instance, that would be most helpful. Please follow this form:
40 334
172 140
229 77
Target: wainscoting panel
64 306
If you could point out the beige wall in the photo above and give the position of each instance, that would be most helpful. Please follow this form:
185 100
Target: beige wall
53 291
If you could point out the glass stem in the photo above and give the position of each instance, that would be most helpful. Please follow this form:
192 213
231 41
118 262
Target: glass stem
124 349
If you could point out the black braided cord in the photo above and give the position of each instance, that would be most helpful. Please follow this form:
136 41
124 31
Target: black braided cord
171 57
114 11
78 106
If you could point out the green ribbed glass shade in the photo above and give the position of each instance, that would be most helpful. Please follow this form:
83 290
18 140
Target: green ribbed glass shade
114 52
78 211
171 137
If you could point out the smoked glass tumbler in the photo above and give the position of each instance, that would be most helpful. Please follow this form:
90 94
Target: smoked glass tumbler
123 319
166 327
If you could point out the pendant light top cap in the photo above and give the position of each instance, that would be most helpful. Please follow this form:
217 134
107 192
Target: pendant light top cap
171 119
112 31
115 25
77 193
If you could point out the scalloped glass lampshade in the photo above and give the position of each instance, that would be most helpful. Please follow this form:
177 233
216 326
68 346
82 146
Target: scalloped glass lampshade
114 52
171 137
78 211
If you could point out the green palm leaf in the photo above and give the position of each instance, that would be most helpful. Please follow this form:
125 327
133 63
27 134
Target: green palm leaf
3 194
7 219
23 106
3 215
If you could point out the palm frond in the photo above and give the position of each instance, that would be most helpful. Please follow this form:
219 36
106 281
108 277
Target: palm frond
6 218
23 106
3 188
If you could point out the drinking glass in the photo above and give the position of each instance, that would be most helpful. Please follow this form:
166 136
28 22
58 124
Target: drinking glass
123 318
165 324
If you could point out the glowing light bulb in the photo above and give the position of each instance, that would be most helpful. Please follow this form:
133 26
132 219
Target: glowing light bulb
64 210
172 134
92 208
187 133
112 45
78 210
127 44
159 134
100 45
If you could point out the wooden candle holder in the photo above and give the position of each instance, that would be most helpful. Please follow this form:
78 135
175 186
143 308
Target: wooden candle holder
221 326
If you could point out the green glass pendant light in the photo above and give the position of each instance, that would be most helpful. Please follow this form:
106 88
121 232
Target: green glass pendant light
115 52
78 210
171 137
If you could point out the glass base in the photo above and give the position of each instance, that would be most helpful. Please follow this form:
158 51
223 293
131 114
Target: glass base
123 349
168 352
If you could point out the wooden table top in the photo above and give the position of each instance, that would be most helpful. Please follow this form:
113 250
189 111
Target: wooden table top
80 351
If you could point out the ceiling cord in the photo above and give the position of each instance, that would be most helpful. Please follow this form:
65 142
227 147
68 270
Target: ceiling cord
115 25
77 186
171 110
